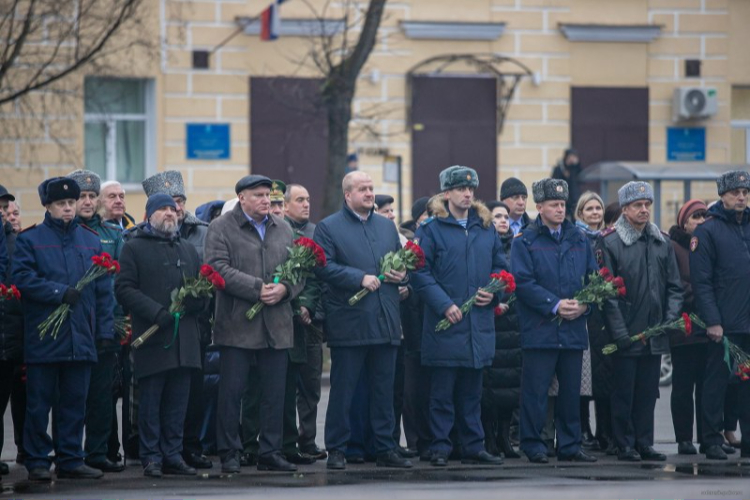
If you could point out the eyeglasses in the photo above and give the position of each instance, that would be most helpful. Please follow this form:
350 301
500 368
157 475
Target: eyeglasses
701 214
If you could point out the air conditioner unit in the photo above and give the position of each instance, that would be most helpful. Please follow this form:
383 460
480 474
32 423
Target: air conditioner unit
692 103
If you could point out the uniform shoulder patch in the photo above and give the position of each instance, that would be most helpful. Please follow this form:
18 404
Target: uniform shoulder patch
427 221
26 229
608 231
88 229
693 243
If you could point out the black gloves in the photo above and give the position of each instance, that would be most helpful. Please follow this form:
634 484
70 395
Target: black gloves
623 343
194 305
71 296
164 319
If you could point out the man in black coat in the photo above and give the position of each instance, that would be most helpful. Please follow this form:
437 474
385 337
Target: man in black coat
155 261
719 272
513 193
643 256
366 334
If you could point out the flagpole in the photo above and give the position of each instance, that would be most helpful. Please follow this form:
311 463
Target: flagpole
235 33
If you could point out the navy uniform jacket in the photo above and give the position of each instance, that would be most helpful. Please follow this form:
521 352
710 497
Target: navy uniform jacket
48 259
720 270
458 261
354 248
3 252
547 271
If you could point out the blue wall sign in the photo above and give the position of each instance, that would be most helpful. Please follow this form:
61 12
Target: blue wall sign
208 141
686 144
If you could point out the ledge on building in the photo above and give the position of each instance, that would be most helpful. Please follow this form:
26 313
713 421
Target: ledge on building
294 27
633 33
436 30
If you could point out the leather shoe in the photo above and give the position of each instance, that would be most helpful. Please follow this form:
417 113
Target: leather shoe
406 452
439 459
728 449
231 463
355 459
299 458
178 469
106 465
714 452
425 456
80 472
275 462
314 452
482 458
248 459
197 461
393 459
336 460
628 455
577 457
686 448
153 469
40 474
539 458
649 453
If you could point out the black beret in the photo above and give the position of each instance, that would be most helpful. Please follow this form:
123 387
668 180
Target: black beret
252 181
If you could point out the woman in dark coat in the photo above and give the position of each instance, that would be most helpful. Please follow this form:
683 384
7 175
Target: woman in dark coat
501 389
688 353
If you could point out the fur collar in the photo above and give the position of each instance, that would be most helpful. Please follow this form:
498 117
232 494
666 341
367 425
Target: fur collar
192 220
440 210
629 235
680 236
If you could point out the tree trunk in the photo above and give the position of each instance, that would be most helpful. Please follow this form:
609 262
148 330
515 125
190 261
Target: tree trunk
339 105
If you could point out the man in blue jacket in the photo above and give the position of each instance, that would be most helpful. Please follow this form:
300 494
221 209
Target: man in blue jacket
48 262
719 272
461 250
368 333
550 260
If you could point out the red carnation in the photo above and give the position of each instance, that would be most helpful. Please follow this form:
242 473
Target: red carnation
604 272
97 260
206 270
618 282
3 290
509 280
115 266
688 324
498 311
105 255
15 292
622 291
217 281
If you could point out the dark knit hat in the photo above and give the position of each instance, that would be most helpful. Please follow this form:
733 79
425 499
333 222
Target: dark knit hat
688 209
168 182
634 191
512 187
419 207
87 180
58 188
458 176
157 201
549 189
733 180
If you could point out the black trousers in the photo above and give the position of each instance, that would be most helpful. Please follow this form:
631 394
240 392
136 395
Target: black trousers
235 365
634 394
13 390
688 373
714 390
195 411
99 407
417 403
308 391
398 394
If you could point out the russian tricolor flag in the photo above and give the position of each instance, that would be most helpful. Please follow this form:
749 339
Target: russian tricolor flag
270 21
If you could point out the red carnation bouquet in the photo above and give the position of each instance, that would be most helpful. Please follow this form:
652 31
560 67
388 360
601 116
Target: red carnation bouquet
204 285
102 264
9 292
736 359
684 323
502 282
602 286
410 257
304 256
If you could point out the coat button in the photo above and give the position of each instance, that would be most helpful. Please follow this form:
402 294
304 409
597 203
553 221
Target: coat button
548 300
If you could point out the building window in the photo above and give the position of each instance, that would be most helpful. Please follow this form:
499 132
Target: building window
119 128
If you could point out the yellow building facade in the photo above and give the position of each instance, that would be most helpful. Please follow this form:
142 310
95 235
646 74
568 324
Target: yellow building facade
568 49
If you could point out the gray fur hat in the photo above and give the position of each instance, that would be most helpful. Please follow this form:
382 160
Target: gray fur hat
735 179
634 191
549 189
458 176
168 182
86 179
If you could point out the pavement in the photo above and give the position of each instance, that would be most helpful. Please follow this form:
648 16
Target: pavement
679 477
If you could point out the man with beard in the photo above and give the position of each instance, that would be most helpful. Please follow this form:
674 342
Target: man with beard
49 261
364 336
113 205
155 261
635 250
719 273
99 408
